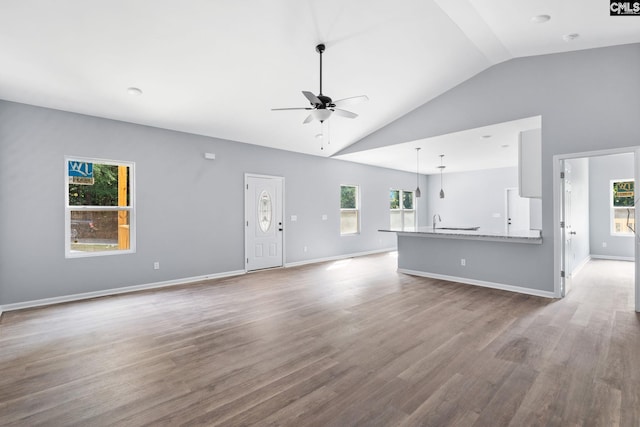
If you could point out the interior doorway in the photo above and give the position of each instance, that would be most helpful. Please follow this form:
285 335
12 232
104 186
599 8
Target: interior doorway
585 214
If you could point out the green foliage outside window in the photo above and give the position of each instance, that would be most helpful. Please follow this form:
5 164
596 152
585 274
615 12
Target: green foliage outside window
394 199
407 199
394 196
103 192
348 196
623 194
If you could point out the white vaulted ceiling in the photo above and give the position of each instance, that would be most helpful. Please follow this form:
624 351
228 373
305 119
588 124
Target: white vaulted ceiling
217 68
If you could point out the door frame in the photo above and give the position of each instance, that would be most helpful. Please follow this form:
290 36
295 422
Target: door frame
248 175
558 205
565 281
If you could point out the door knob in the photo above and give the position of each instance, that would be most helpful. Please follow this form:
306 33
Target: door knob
572 232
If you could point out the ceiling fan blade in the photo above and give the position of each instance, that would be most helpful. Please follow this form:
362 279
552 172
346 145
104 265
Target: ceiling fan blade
312 98
308 119
350 101
344 113
294 108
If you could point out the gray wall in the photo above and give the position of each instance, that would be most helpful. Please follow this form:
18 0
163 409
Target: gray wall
472 198
586 104
602 170
189 210
579 211
535 214
494 262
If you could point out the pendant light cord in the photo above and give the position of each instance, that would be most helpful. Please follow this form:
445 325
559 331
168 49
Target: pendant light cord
418 172
441 170
417 168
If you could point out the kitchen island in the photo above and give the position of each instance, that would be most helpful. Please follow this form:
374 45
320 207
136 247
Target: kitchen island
500 260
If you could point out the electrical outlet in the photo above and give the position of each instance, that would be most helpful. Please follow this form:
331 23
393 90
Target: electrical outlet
305 249
463 262
604 244
156 265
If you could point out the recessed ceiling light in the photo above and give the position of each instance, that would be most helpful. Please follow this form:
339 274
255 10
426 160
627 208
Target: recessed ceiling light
318 136
505 146
486 136
134 91
570 37
539 19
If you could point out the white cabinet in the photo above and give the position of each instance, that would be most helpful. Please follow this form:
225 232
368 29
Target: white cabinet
530 163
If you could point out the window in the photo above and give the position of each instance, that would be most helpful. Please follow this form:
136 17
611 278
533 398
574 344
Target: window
349 209
622 207
403 211
99 207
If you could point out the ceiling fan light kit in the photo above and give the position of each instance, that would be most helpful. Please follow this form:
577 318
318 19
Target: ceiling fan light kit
321 114
322 106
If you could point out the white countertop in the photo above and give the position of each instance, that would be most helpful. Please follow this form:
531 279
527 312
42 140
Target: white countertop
524 236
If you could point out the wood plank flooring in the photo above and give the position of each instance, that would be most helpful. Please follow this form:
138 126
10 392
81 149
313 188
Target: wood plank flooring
342 343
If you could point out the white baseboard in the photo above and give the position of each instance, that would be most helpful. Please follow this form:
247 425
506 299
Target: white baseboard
614 258
337 257
500 286
580 266
115 291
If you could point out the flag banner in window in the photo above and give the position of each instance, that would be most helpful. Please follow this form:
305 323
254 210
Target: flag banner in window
623 194
80 173
78 180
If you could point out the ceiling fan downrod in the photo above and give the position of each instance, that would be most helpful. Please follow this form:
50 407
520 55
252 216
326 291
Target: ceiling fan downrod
320 49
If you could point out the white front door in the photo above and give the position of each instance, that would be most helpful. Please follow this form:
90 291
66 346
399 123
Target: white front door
263 222
518 216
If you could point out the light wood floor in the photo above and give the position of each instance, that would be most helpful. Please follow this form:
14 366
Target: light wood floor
335 344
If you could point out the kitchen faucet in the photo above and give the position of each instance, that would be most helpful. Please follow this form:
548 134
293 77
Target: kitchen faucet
434 220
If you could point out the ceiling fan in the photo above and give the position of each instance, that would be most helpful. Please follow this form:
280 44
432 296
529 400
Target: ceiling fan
322 107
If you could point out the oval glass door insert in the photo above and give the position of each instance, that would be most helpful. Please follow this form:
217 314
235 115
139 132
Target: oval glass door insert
264 211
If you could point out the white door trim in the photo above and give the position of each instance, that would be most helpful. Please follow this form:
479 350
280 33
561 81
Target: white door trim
247 175
558 199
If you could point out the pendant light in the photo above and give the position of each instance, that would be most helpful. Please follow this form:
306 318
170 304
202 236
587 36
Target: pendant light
441 167
417 172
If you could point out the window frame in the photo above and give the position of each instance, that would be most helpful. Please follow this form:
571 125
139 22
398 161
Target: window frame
402 209
613 209
131 209
356 210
